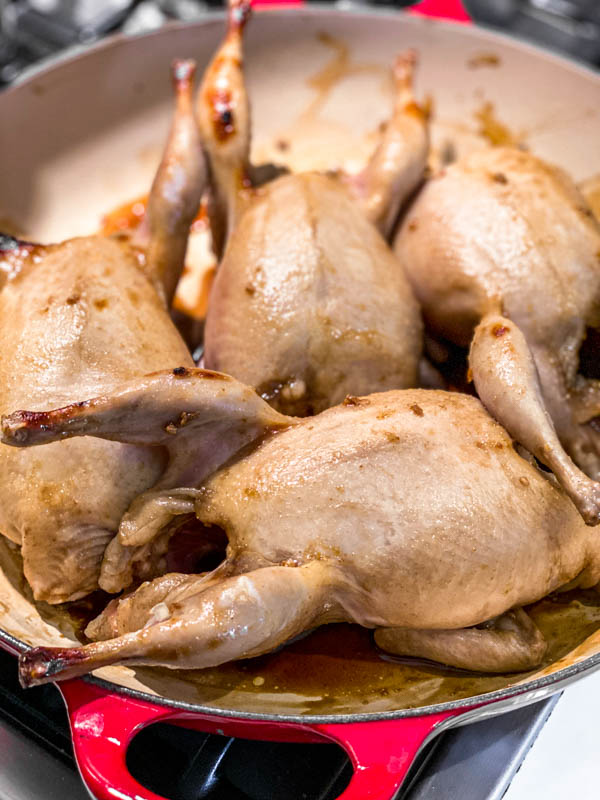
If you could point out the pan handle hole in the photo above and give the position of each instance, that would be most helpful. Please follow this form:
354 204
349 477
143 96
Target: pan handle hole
180 764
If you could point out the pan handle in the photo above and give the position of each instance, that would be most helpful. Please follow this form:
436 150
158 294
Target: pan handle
104 723
383 752
442 9
102 726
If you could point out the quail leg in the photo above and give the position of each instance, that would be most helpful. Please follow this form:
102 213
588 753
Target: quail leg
176 191
397 166
240 617
508 385
223 114
512 643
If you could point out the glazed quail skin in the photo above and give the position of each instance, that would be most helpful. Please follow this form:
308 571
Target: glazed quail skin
502 252
309 303
81 316
410 512
424 522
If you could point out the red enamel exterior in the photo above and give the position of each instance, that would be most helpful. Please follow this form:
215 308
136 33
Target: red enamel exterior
442 9
382 752
437 9
103 724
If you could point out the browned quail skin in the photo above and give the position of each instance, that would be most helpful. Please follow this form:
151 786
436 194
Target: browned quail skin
79 318
503 242
309 303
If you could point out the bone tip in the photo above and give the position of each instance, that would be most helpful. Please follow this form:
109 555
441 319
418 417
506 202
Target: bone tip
14 429
404 67
93 630
591 516
238 15
42 664
183 71
9 243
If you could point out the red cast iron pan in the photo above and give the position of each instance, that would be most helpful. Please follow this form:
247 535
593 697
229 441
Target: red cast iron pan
84 134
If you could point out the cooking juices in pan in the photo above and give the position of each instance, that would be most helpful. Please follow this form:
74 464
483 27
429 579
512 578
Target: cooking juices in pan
333 666
337 664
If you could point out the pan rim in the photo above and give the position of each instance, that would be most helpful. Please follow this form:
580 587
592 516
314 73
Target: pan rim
550 683
553 683
318 9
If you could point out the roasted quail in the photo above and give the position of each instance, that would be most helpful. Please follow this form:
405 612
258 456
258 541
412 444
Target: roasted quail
309 303
503 254
409 512
78 318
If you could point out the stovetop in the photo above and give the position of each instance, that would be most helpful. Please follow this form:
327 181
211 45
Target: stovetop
36 761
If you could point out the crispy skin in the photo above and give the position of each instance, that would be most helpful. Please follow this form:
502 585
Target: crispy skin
309 302
503 239
503 227
418 497
77 318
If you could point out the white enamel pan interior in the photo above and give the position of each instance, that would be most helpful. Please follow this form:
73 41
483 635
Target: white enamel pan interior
83 136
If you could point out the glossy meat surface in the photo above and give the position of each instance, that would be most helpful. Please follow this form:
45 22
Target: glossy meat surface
309 303
79 318
414 513
401 511
503 226
418 497
503 234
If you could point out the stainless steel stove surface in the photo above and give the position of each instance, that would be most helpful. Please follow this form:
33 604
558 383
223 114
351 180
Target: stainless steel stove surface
36 758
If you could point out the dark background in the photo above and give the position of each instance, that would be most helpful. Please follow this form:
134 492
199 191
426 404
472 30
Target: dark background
31 30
